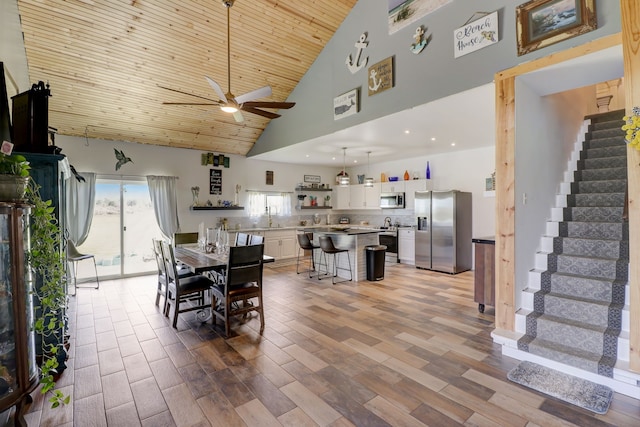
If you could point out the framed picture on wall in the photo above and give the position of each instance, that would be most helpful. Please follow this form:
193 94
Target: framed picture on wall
540 23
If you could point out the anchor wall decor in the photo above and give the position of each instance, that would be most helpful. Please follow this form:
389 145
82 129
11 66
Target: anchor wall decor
354 64
421 40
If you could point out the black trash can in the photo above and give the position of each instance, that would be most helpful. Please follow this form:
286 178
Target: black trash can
375 262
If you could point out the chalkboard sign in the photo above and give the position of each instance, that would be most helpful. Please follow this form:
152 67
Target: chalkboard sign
215 181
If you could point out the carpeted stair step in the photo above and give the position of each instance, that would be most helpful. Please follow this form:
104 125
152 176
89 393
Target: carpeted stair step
588 361
597 314
594 230
612 130
604 151
596 289
603 162
597 248
594 214
600 174
560 331
610 141
596 199
589 266
608 186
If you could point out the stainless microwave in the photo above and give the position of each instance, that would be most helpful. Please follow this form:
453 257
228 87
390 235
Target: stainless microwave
392 200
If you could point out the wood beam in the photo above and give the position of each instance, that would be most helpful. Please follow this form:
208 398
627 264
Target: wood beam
630 16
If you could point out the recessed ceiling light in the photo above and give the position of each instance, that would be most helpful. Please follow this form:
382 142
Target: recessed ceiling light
433 138
453 144
333 158
407 131
355 161
307 156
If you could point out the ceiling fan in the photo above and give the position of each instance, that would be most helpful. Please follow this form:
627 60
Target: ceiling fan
230 103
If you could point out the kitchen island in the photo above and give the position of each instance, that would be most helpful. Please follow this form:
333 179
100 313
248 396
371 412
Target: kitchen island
355 240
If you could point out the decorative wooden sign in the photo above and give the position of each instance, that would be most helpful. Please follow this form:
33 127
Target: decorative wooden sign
215 181
345 104
476 35
381 76
269 178
218 160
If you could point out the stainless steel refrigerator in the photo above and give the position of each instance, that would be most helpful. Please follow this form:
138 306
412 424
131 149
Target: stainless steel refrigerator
443 236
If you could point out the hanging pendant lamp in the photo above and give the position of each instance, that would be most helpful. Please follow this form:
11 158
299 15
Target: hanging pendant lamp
368 182
344 178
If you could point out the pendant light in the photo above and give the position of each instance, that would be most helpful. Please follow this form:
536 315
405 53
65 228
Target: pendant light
344 178
368 182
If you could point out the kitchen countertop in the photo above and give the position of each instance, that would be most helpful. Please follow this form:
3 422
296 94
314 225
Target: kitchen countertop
341 230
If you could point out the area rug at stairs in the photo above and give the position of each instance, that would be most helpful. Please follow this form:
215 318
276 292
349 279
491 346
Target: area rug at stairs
577 391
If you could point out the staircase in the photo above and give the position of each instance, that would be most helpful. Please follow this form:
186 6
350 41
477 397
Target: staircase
574 315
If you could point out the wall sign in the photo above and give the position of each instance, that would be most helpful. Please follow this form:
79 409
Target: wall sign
381 76
405 12
312 178
476 35
215 181
214 159
345 104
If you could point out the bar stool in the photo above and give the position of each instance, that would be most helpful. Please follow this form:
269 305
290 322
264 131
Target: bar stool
327 246
305 244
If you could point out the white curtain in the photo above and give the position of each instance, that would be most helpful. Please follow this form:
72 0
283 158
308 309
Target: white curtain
81 197
256 204
286 204
164 198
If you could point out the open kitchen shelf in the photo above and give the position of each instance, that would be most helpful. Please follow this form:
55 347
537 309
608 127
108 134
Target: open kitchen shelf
313 207
312 189
217 208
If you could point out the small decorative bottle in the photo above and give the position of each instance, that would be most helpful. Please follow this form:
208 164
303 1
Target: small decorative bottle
406 175
428 171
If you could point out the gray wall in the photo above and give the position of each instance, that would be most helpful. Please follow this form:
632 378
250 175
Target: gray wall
419 79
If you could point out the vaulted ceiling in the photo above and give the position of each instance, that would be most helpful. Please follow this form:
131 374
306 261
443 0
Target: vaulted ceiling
106 60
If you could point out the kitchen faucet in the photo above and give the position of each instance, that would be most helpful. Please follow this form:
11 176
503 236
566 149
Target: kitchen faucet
387 222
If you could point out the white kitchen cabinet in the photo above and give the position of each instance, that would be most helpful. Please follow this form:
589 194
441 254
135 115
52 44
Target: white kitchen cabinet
362 197
341 197
392 187
406 246
280 244
410 188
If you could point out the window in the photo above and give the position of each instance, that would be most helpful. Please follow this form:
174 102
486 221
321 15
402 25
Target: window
276 204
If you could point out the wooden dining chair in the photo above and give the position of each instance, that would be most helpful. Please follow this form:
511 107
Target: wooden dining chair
242 291
162 274
180 290
180 239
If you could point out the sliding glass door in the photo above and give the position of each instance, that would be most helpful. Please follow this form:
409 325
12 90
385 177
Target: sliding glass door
122 229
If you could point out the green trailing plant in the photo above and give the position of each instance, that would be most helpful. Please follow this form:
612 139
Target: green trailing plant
14 164
48 263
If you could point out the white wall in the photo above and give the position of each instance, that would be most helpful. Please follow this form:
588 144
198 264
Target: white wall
461 170
541 155
98 156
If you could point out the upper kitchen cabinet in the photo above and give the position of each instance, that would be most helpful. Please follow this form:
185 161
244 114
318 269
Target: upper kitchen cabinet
410 188
393 187
363 197
341 196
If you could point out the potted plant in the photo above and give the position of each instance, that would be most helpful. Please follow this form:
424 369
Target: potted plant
50 298
14 176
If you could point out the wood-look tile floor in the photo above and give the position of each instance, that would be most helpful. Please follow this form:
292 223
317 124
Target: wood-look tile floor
409 350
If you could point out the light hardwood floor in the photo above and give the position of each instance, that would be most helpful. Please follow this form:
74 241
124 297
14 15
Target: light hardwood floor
410 350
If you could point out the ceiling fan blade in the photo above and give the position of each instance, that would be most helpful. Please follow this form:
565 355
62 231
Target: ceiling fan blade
187 93
190 103
267 114
263 92
216 87
267 104
238 116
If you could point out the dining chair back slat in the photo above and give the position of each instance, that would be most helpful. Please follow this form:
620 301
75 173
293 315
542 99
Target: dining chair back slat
242 239
256 239
185 238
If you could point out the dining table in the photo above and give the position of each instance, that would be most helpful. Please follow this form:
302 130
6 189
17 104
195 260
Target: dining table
199 261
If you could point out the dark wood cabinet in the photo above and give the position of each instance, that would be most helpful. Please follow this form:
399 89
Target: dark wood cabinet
18 369
484 272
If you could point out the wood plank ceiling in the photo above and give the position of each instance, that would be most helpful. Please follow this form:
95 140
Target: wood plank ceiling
104 60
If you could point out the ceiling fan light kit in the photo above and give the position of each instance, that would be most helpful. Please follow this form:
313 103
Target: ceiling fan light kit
236 104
